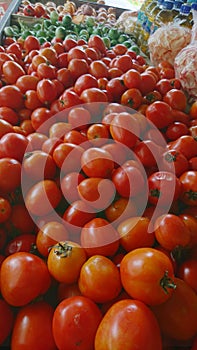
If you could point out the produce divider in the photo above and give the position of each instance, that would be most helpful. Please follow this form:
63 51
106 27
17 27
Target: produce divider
11 16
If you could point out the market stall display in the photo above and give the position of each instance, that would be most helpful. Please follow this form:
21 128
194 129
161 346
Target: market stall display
98 184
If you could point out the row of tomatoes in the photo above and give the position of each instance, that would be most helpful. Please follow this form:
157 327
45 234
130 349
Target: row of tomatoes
79 166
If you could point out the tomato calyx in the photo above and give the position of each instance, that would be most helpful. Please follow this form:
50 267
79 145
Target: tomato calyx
191 195
166 282
170 158
155 192
63 250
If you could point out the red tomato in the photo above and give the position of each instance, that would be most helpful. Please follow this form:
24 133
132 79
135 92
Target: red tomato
175 162
93 95
27 82
98 236
27 270
187 271
120 209
43 197
46 91
77 215
189 187
116 88
39 165
79 117
9 115
129 181
6 320
176 99
97 192
10 174
176 130
12 71
49 235
131 98
31 43
76 52
171 231
11 96
67 290
75 322
177 317
85 81
186 144
21 243
123 62
67 157
135 233
41 116
125 129
13 145
164 188
5 209
148 153
71 181
98 69
96 272
77 67
34 322
65 260
160 114
148 82
96 162
95 41
123 316
158 286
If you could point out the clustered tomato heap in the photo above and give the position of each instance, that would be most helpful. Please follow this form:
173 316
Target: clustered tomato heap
98 199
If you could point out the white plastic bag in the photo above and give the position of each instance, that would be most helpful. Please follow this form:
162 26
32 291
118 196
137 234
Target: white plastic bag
185 63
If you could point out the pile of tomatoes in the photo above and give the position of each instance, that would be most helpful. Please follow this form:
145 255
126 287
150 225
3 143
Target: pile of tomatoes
98 199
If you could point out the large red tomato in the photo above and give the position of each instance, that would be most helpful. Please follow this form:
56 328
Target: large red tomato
75 322
128 325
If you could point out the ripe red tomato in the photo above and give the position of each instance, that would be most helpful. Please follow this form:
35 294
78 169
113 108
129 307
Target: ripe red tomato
187 271
78 67
27 82
97 192
9 115
49 235
189 187
129 181
177 317
65 260
21 243
175 162
116 88
34 322
164 188
165 225
93 95
123 316
5 209
96 272
186 144
131 98
13 145
79 117
120 209
26 270
135 233
176 99
98 236
96 162
158 285
39 165
11 96
41 119
43 197
160 114
75 322
85 81
12 71
95 41
46 91
10 174
125 129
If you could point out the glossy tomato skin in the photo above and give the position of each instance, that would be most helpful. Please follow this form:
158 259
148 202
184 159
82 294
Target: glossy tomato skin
75 322
26 270
99 279
33 328
189 187
147 275
170 314
128 324
65 260
43 197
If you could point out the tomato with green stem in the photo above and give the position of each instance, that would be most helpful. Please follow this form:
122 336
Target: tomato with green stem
147 275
